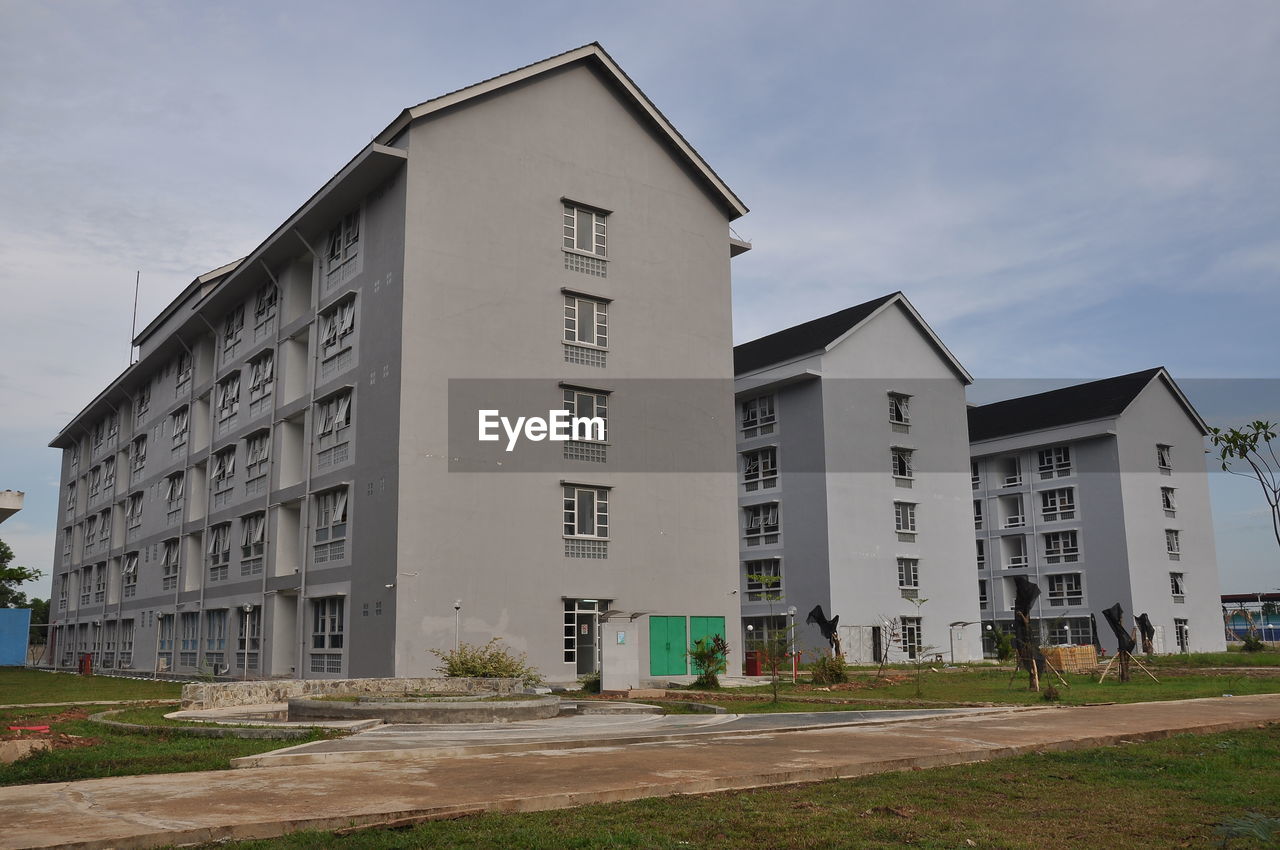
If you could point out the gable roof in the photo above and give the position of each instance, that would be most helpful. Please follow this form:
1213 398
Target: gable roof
821 334
594 54
1104 399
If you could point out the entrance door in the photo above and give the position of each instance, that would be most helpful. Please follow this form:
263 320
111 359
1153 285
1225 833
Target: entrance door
667 646
586 643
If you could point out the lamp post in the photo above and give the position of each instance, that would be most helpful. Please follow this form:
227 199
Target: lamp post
791 639
457 623
247 608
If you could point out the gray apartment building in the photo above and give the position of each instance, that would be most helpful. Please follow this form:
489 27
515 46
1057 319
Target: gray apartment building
853 492
289 480
1098 492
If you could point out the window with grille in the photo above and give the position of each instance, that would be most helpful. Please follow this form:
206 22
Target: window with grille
169 566
190 646
1054 462
178 424
1173 543
764 580
586 511
229 396
977 514
129 575
1178 586
326 623
982 554
912 634
1065 589
899 409
1164 456
763 523
330 533
1058 504
584 230
337 324
760 469
253 535
138 454
983 600
343 247
900 460
261 382
758 416
1168 500
586 321
589 405
1061 547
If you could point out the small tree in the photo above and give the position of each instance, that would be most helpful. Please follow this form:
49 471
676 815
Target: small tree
11 578
892 633
1249 453
490 661
775 652
710 658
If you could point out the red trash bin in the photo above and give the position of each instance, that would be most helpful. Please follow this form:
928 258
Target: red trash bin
753 662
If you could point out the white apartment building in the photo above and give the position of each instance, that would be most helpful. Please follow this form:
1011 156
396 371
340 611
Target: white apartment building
1099 494
852 489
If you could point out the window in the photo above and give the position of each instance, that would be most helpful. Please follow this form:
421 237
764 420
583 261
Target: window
977 514
344 242
1164 456
1061 547
215 633
68 536
760 468
224 473
100 583
1055 462
975 479
169 566
98 436
71 497
1058 504
113 427
86 585
1070 631
1168 500
911 636
982 554
899 409
1010 470
589 404
331 526
1178 586
261 382
133 510
586 511
1173 543
762 524
334 417
229 396
761 630
264 307
1182 633
109 476
129 575
250 639
904 516
764 580
173 490
586 321
983 599
64 584
257 455
337 324
178 426
104 528
908 572
901 461
73 461
1065 589
126 643
138 453
142 401
231 329
182 370
253 534
190 639
758 416
584 230
326 634
95 482
219 550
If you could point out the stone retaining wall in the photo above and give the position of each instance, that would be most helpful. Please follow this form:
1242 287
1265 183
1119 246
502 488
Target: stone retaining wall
222 694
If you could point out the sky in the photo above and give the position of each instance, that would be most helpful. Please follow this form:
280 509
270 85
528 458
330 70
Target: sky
1066 191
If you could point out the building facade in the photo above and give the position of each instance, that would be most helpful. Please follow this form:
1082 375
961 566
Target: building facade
289 482
853 493
1099 494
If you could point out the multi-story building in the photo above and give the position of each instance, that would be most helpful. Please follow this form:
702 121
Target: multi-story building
1098 493
289 481
852 484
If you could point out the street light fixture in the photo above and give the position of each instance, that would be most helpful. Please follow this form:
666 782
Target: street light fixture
795 662
457 622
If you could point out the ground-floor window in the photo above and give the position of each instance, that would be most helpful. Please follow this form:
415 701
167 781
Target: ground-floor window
760 630
327 634
1070 630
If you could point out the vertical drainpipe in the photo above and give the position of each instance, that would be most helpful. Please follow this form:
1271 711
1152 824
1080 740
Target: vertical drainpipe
312 372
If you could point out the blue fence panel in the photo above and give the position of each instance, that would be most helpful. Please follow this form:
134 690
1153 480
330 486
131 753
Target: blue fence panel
15 628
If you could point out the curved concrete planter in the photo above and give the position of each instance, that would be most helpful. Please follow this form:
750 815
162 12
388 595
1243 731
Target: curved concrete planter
103 717
456 710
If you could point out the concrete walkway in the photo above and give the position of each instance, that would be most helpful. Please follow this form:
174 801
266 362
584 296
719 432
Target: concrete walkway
146 811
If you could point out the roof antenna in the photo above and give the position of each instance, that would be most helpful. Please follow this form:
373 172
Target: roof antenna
133 331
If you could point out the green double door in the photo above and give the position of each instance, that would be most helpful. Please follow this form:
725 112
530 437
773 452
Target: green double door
671 637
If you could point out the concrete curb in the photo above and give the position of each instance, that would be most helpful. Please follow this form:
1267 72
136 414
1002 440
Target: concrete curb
763 779
200 732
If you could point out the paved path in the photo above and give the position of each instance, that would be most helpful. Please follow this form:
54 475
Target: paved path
146 811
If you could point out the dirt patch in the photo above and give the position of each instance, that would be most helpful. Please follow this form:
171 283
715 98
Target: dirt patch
54 739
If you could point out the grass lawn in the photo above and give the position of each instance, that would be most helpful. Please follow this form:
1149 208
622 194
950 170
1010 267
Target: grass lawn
990 685
19 686
1170 793
88 750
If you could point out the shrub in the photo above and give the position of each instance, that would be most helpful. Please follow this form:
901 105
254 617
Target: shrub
709 658
1004 645
590 683
491 661
829 670
1252 643
1050 694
